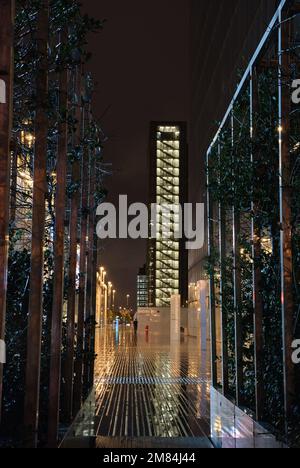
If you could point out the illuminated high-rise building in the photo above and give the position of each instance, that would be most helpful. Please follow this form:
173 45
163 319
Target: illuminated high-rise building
142 287
167 256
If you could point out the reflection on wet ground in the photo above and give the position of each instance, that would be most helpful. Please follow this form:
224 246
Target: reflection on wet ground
147 387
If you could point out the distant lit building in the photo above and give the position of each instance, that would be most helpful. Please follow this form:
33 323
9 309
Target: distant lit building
167 256
142 288
22 187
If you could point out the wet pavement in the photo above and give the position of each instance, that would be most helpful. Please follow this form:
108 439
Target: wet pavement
153 393
150 391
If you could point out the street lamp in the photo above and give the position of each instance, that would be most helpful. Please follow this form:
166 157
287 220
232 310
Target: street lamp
110 295
103 296
128 297
114 298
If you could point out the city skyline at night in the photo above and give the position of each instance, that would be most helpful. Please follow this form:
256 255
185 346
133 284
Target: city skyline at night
150 227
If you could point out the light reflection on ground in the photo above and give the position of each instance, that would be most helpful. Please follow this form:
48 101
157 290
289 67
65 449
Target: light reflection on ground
147 387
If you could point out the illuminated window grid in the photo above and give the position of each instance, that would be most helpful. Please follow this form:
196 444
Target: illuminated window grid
142 291
167 193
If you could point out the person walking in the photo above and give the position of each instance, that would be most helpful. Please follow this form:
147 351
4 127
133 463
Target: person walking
135 322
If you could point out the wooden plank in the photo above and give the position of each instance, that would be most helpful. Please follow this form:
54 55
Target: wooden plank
59 260
148 390
38 232
6 111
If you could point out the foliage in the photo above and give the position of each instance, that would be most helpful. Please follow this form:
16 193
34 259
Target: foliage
70 54
243 179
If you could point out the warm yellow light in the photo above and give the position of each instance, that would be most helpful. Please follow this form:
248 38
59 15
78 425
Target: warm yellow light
296 147
267 245
218 425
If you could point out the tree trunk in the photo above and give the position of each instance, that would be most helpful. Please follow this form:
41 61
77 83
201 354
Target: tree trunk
91 279
59 260
6 110
69 365
83 278
38 233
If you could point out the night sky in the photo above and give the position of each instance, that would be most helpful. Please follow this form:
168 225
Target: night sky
141 66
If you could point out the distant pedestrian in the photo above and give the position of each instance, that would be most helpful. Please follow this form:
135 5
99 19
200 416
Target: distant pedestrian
135 322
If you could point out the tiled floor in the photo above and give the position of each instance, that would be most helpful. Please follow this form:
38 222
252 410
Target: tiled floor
147 387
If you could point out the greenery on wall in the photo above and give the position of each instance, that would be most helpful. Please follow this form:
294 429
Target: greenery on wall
62 56
243 179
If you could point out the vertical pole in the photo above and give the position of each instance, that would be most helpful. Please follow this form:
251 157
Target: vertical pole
114 300
222 250
256 253
73 229
110 297
91 278
38 232
93 317
99 304
286 251
213 337
105 304
13 185
6 110
237 290
59 259
83 275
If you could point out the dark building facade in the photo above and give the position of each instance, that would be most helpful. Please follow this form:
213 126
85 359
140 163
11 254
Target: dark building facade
224 36
167 257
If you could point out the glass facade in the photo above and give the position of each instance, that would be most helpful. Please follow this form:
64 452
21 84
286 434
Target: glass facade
253 180
142 288
165 251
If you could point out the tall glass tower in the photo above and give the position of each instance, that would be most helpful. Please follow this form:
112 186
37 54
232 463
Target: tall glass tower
142 287
167 257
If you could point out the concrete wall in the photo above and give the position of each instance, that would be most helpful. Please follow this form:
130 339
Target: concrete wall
194 323
158 320
198 316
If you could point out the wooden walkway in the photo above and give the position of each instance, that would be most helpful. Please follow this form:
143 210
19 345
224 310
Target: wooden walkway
146 387
148 393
